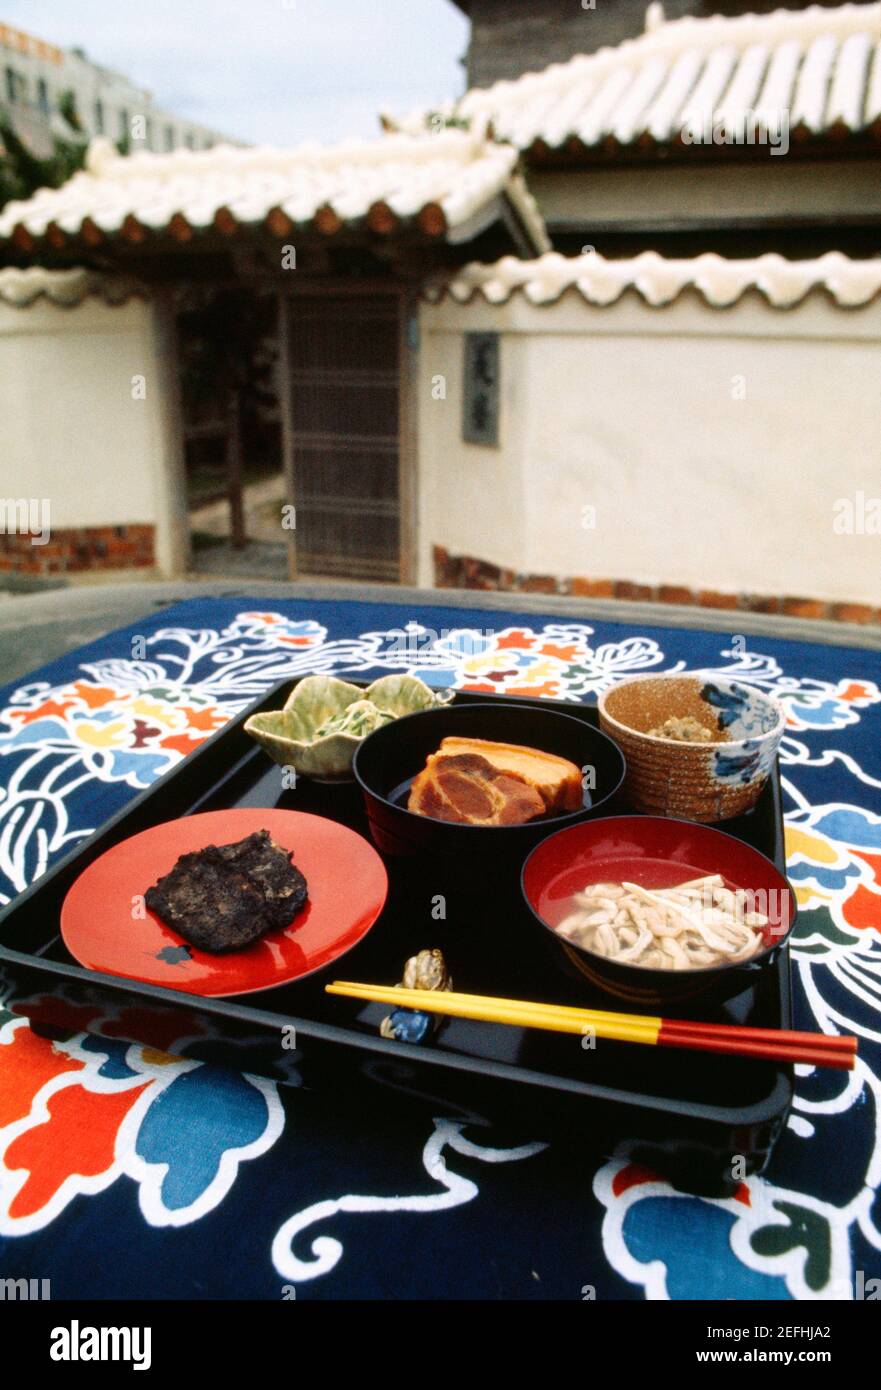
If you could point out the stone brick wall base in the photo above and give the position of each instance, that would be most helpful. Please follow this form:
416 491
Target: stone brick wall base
465 572
79 548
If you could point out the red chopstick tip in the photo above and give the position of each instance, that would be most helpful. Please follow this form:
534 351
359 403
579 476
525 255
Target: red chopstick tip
769 1044
823 1042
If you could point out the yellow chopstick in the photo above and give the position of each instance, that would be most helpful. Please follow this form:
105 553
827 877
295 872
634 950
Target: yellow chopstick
386 994
485 1009
814 1049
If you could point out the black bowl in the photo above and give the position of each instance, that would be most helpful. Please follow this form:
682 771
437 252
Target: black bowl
388 760
657 852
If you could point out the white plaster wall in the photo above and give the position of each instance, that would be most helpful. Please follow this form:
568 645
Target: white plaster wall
471 498
632 411
72 431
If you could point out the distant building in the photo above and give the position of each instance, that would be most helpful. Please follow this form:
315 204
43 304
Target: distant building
38 80
459 400
511 37
727 132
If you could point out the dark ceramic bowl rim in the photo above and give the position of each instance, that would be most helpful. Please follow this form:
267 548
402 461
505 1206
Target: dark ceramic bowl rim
556 822
648 973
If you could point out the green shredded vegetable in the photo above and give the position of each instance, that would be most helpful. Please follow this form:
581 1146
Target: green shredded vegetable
358 719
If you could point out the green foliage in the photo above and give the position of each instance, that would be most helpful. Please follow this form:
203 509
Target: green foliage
22 173
67 107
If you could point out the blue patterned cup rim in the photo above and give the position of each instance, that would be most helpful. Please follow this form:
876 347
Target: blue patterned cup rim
730 683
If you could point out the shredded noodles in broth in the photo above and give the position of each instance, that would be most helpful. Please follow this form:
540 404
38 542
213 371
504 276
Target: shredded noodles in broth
695 924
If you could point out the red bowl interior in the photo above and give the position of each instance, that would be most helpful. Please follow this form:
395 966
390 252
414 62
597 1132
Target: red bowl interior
655 852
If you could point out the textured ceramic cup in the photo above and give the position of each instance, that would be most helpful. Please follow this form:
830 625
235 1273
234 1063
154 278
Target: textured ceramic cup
694 781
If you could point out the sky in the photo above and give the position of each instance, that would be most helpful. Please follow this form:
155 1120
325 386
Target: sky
267 71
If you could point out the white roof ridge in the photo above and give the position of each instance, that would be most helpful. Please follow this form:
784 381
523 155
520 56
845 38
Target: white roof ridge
699 33
659 280
20 288
103 159
446 179
820 67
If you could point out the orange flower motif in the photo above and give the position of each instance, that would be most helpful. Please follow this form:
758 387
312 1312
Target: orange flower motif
29 1062
181 743
518 640
97 695
208 719
862 910
43 711
550 688
561 653
83 1126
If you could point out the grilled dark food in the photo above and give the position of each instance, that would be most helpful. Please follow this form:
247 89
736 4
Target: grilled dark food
224 897
269 867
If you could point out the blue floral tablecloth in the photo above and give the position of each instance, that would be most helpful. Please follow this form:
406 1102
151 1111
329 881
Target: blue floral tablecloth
127 1172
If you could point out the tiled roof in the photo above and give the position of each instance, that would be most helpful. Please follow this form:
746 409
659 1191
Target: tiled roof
442 185
659 281
21 288
819 66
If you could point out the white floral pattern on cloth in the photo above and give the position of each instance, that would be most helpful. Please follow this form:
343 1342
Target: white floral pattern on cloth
451 1190
122 721
766 1242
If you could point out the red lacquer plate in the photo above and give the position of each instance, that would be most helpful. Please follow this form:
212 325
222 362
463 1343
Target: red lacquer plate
347 890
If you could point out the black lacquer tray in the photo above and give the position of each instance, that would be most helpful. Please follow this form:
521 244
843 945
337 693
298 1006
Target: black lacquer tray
704 1121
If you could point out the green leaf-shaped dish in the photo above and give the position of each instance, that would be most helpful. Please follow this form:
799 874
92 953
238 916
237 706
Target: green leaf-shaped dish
324 720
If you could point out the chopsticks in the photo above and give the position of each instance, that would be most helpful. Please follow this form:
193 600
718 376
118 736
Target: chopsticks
771 1044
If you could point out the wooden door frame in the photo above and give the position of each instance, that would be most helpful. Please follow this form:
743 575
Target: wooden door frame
172 543
286 420
407 297
408 436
